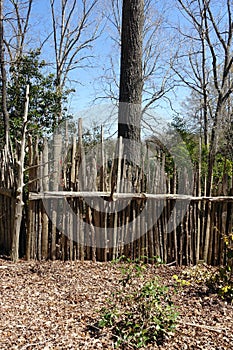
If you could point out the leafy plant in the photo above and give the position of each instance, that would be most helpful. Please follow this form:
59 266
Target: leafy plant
45 100
140 313
218 280
180 282
223 279
198 274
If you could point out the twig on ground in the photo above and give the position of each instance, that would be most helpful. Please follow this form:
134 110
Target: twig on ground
210 328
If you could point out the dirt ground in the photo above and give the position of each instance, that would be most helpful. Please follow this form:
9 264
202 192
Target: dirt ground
55 305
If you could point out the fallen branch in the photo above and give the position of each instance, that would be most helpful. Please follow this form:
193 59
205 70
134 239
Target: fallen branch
171 263
209 328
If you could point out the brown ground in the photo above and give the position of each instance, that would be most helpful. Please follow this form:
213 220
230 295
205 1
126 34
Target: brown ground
54 305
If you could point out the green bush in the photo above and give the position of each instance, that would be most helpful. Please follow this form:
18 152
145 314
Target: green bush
223 279
217 280
140 313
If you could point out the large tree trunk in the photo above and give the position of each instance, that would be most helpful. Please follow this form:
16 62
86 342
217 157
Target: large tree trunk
131 81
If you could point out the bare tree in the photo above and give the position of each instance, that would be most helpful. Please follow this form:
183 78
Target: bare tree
75 28
5 114
17 20
20 163
14 27
157 53
205 65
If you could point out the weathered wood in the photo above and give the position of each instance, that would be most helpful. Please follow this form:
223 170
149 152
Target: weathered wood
207 231
20 184
45 220
172 227
115 196
102 163
57 149
30 204
6 192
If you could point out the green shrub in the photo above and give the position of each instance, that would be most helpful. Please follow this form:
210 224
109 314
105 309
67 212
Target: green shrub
217 280
140 313
223 279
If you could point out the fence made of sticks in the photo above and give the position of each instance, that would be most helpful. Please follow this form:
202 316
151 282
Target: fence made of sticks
94 205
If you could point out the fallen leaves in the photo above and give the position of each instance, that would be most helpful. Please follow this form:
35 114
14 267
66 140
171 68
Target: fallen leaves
54 305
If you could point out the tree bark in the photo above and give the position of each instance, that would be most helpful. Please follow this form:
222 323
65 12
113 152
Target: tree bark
20 184
3 81
131 81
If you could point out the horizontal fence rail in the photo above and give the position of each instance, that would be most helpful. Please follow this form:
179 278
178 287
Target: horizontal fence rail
116 196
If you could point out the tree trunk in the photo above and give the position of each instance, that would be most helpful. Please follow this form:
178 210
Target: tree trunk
3 82
131 82
20 184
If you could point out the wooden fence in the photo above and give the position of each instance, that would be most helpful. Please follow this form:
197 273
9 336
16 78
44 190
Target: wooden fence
91 205
6 200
